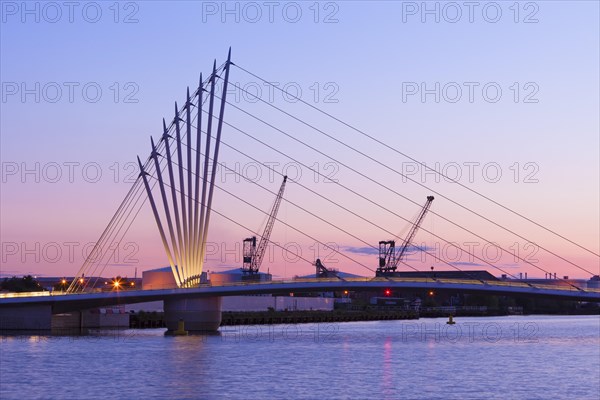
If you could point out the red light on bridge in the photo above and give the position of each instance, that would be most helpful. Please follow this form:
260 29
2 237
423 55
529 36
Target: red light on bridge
431 293
388 292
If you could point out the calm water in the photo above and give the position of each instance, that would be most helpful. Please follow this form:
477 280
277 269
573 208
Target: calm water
478 358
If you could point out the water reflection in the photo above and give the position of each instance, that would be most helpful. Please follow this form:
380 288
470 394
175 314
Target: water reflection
387 370
379 359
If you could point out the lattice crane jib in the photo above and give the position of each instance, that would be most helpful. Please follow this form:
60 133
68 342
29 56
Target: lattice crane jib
389 254
253 254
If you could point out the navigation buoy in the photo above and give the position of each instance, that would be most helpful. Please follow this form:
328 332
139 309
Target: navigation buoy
180 329
450 320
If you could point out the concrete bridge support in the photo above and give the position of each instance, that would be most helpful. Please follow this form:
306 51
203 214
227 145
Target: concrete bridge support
84 319
199 315
26 317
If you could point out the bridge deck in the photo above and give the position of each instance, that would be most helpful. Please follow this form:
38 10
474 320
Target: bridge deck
62 302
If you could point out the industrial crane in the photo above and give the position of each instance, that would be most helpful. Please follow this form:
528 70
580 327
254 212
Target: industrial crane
389 256
323 272
252 254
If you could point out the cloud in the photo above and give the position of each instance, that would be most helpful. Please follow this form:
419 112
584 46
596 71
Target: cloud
415 249
9 273
361 250
465 264
373 251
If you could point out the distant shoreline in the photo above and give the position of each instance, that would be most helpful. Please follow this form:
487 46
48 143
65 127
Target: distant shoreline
145 320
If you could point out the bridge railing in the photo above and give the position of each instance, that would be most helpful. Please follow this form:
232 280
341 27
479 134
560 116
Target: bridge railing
507 283
436 281
557 287
24 294
413 280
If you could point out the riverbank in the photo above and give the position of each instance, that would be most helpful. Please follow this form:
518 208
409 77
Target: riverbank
300 317
144 320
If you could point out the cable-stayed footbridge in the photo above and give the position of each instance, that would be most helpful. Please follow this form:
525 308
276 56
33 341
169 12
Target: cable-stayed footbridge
178 181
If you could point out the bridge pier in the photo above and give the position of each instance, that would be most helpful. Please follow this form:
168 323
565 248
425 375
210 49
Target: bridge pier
76 321
200 314
26 317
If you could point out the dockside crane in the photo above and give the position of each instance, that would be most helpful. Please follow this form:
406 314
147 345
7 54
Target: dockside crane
252 254
321 271
389 255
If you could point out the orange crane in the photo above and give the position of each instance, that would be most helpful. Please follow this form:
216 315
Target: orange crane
389 256
253 255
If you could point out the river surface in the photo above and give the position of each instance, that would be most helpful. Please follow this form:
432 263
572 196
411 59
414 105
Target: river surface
525 357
